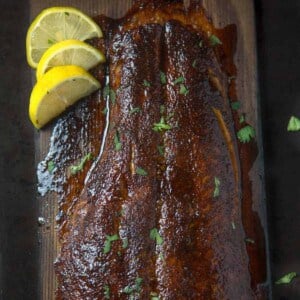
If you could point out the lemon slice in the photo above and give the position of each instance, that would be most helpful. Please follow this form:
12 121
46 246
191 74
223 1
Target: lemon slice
58 89
69 52
56 24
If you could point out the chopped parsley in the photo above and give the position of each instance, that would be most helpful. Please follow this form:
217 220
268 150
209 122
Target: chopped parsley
104 111
135 288
106 292
154 235
236 105
125 243
50 166
118 144
77 168
179 80
162 109
217 187
146 83
50 42
108 242
286 279
108 92
135 110
246 134
154 296
66 13
214 40
162 125
194 63
141 171
161 149
294 124
242 118
183 90
163 78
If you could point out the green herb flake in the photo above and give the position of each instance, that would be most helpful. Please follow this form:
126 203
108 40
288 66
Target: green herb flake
135 288
194 63
217 187
214 40
183 90
50 42
135 110
154 296
246 134
162 109
286 279
104 111
125 243
146 83
141 171
50 166
179 80
106 90
242 119
154 235
162 125
294 124
112 96
77 168
108 242
118 144
66 13
106 292
236 105
201 44
163 78
250 241
161 150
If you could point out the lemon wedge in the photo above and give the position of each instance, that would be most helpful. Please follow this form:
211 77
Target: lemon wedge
59 88
56 24
69 52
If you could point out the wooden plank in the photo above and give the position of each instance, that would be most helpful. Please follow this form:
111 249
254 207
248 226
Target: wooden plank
222 12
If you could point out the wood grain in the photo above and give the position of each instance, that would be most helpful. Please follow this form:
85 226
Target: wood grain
222 12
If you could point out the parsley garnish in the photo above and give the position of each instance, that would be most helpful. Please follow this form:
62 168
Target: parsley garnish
286 279
162 125
183 90
294 124
141 171
194 63
135 288
50 166
242 118
125 243
214 40
163 78
104 111
154 296
162 109
236 105
179 80
154 235
75 169
246 134
108 241
118 144
66 13
107 91
217 187
161 149
146 83
106 292
135 110
50 42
